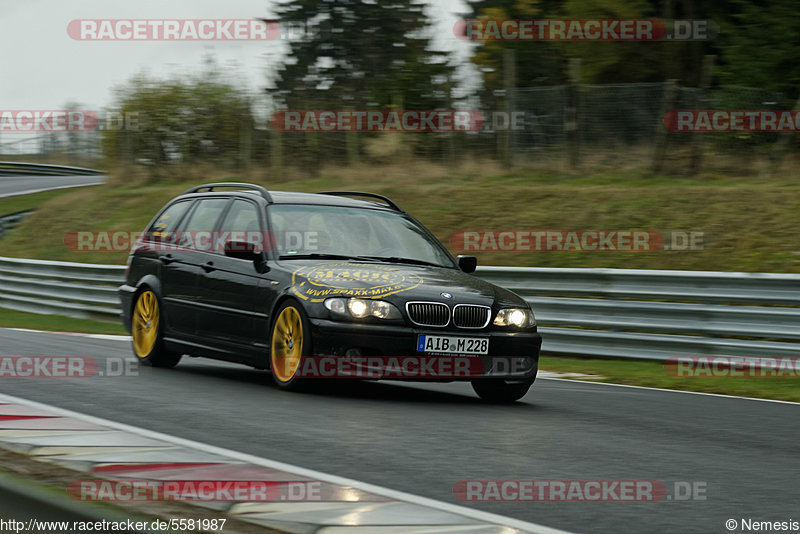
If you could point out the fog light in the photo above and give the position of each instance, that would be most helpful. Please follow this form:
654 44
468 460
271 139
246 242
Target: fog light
381 309
336 305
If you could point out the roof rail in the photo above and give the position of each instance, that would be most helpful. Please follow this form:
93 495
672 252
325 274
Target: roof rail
390 203
241 185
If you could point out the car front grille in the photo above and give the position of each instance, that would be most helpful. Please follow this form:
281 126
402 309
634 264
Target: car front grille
438 314
428 313
470 316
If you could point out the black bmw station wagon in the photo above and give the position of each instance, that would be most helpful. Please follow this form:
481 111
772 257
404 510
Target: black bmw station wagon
335 284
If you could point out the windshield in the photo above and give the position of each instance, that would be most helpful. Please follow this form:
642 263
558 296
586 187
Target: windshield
318 231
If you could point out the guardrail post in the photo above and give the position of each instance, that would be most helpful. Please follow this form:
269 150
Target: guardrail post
670 103
571 133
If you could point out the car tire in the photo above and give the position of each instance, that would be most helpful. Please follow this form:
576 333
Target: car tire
147 332
501 391
289 344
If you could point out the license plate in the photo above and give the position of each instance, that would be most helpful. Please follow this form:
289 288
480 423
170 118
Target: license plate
453 344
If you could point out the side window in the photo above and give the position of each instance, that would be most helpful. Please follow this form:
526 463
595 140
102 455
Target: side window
242 224
163 229
197 232
242 217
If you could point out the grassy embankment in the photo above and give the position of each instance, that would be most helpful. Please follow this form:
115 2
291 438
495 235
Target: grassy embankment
750 225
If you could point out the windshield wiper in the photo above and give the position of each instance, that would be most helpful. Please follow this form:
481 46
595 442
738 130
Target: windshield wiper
388 259
321 256
397 259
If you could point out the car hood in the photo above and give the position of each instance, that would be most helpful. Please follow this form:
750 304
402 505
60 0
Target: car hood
398 283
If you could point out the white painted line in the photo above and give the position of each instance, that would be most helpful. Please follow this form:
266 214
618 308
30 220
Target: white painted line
111 337
310 473
673 391
545 377
559 374
44 189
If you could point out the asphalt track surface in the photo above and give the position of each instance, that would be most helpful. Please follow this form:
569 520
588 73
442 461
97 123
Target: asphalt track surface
18 185
423 438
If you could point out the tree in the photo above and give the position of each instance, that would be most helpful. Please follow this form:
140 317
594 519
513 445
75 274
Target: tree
189 119
537 63
545 62
614 62
360 53
758 46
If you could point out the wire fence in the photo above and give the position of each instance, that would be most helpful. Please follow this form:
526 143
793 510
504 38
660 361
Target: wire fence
577 125
531 126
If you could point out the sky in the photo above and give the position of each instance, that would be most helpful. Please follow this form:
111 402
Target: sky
44 68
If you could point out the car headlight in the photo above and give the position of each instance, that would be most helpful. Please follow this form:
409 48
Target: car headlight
519 317
361 308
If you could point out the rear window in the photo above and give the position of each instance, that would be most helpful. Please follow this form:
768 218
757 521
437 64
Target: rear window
163 229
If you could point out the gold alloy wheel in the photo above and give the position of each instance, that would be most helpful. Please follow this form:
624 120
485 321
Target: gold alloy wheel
145 324
287 344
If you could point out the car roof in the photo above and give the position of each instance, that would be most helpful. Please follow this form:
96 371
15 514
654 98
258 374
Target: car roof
334 198
292 197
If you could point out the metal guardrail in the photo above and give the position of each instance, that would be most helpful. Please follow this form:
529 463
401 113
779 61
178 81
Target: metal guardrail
12 168
80 290
593 312
645 284
11 221
653 314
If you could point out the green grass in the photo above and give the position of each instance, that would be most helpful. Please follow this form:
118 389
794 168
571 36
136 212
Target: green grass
652 374
27 202
752 222
57 323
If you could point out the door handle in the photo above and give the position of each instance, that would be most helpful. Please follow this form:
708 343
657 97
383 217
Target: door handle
208 266
166 260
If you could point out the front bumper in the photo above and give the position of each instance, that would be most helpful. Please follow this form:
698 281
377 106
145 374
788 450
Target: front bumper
512 355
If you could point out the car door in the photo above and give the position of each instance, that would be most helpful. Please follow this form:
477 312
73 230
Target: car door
235 296
178 279
183 265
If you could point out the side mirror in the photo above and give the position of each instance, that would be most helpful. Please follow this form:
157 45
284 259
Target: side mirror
467 263
242 250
